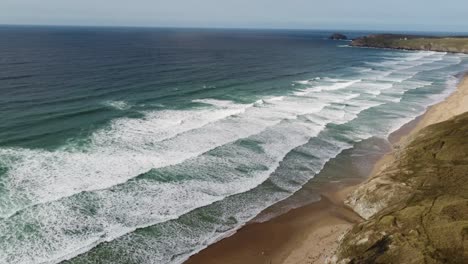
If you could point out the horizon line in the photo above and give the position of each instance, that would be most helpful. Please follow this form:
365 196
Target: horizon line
227 28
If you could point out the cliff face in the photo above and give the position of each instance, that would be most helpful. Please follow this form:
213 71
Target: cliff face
411 42
417 207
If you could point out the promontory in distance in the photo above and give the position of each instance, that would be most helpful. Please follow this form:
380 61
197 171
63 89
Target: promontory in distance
452 44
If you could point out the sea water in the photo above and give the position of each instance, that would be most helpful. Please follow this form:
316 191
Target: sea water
133 145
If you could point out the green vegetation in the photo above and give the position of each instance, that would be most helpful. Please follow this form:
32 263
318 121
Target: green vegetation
425 216
409 42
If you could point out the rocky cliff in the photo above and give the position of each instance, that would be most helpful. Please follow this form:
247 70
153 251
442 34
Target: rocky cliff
413 42
416 209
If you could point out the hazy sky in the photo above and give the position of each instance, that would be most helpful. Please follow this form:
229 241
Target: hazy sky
448 15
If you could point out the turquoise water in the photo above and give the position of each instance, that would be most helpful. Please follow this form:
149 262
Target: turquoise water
146 145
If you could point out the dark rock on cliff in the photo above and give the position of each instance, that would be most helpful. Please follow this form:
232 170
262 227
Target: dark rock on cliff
338 36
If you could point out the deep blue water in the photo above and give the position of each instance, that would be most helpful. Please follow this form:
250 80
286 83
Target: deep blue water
158 141
60 74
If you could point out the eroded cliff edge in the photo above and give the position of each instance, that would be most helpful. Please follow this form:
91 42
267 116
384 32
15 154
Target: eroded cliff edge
416 209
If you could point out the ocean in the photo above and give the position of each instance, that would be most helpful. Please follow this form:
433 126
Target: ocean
145 145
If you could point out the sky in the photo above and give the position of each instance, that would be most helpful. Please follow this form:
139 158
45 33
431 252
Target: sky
409 15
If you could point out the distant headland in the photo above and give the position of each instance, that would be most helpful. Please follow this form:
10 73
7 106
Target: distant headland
453 44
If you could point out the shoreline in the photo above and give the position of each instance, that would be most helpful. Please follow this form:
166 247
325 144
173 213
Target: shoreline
405 49
278 239
311 233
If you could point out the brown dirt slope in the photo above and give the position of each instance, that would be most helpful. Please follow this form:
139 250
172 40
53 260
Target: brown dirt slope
422 216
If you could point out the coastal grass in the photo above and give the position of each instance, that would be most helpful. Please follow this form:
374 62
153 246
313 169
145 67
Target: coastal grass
448 44
425 219
410 42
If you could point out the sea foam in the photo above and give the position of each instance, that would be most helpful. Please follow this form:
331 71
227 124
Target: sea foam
74 199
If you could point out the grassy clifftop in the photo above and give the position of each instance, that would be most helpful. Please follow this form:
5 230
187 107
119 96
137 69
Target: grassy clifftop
421 212
410 42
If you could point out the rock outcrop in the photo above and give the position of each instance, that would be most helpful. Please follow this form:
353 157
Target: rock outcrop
416 209
414 42
337 36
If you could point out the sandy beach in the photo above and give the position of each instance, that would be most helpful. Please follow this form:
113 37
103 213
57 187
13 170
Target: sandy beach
286 238
311 233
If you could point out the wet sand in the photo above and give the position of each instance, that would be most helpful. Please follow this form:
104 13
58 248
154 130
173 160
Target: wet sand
311 233
284 238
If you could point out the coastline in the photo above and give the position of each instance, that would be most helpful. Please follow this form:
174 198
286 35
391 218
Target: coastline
405 49
449 44
311 233
284 239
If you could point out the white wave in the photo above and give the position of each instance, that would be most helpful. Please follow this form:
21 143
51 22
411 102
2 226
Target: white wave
303 82
410 61
402 70
158 126
67 229
219 103
123 208
153 245
277 98
131 147
119 105
362 69
84 197
336 85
